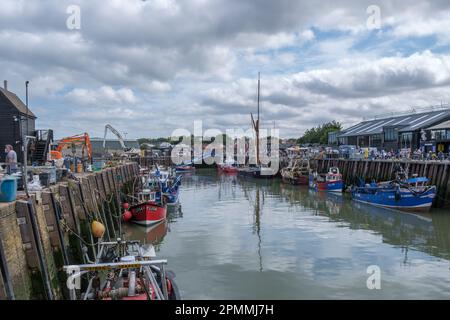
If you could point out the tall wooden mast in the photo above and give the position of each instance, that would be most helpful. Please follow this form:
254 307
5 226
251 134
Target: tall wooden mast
256 124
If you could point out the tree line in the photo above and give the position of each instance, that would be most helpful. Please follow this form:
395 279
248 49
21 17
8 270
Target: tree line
319 134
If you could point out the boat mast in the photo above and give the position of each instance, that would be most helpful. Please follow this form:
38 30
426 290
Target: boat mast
259 87
256 123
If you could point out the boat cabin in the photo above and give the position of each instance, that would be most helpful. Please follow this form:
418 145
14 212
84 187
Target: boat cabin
146 196
333 175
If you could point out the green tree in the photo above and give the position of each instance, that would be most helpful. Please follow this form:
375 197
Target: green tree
319 134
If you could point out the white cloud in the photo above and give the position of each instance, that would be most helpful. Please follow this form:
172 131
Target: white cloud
307 35
158 86
191 59
104 96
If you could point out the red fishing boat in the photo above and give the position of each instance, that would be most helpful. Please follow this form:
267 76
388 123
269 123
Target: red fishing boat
148 210
331 181
227 167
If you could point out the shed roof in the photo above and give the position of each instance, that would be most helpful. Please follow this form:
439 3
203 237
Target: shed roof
16 102
113 144
442 125
405 123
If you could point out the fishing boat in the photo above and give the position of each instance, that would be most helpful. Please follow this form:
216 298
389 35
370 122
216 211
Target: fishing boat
165 183
170 189
330 181
297 172
403 193
228 167
184 168
149 209
132 273
255 171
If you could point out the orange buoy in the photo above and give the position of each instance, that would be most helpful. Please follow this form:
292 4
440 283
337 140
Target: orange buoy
126 216
98 229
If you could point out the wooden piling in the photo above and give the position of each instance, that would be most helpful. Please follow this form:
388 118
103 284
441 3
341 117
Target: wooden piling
36 251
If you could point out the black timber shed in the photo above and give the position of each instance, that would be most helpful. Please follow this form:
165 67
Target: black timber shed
16 121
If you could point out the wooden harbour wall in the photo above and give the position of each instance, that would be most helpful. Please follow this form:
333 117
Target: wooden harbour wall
34 256
381 170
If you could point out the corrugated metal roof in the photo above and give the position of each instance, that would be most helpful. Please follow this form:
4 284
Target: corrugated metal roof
113 144
404 123
443 125
16 102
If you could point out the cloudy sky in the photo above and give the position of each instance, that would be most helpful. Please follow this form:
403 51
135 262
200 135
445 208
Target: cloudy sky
149 67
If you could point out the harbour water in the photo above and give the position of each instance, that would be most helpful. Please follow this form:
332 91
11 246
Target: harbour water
233 238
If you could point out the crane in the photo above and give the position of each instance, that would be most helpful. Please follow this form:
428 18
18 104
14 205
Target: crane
118 135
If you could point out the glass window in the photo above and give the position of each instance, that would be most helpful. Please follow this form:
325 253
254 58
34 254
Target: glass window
406 137
343 140
390 134
375 140
439 134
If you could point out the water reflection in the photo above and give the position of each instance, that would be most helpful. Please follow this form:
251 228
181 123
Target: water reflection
429 233
257 225
237 238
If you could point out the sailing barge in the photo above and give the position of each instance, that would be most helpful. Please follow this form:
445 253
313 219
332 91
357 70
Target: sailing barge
257 170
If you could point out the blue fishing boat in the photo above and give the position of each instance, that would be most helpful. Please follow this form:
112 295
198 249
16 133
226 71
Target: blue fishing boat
171 190
330 181
403 193
166 184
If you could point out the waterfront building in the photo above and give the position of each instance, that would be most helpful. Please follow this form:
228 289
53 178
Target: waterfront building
410 130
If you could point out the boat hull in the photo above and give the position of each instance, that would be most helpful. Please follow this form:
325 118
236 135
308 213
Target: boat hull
255 172
328 186
148 213
302 180
404 200
172 198
227 169
181 169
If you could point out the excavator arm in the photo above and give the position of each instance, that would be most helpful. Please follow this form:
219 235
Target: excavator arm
116 133
81 139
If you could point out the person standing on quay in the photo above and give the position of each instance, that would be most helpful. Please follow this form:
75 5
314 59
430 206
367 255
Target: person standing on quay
11 159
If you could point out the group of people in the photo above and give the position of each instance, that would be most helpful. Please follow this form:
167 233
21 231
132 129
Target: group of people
418 154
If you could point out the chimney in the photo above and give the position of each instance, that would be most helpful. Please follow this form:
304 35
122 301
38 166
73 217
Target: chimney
5 84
